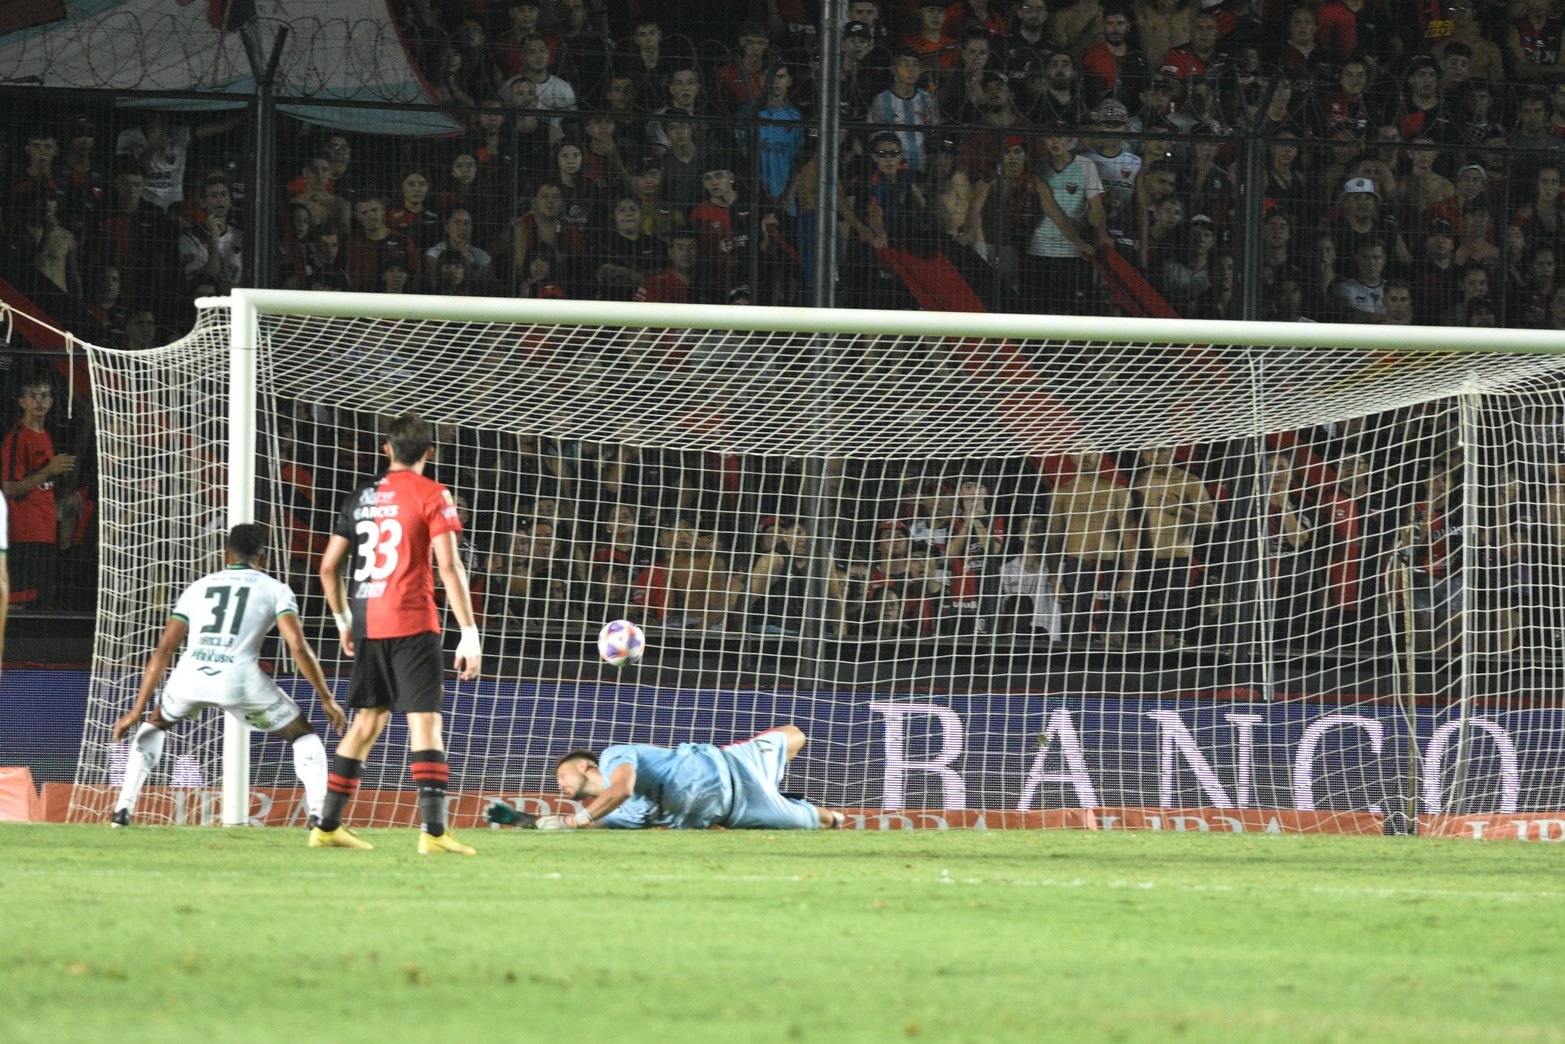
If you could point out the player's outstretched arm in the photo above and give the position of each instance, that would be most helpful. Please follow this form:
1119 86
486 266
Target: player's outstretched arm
453 577
622 784
309 666
157 666
336 591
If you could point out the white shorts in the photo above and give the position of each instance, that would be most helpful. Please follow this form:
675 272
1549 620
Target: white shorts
243 689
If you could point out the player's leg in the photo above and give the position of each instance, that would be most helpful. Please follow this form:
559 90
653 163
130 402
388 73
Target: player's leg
257 698
347 768
419 690
309 762
369 696
756 768
796 739
146 750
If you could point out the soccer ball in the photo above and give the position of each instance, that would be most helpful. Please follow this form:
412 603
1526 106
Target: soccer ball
621 642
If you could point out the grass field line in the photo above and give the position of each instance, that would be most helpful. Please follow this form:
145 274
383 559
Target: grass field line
945 878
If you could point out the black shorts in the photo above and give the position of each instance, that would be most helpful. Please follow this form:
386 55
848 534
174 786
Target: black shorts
401 673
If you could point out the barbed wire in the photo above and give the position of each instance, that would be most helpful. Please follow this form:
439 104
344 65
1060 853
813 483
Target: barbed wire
130 50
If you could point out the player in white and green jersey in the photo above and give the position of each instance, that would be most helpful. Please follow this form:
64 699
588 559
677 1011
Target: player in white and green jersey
226 615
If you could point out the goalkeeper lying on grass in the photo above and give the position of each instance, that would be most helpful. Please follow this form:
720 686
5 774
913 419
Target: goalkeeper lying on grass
690 787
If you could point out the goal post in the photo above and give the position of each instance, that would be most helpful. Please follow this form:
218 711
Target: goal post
996 565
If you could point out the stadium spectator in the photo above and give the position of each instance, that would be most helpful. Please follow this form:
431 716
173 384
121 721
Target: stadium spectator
724 225
687 585
936 48
373 244
684 95
534 135
778 135
773 595
1533 43
586 47
1025 42
458 241
1361 298
1058 274
1291 529
1279 261
906 103
1472 288
962 88
625 256
134 237
1162 25
965 16
37 482
677 283
1186 273
1435 272
160 149
412 216
580 201
448 79
1074 26
1094 523
660 216
681 163
527 582
83 187
741 82
523 20
461 185
1192 58
643 61
213 250
1110 66
866 69
542 230
1176 511
1028 602
1058 98
313 191
1540 218
697 786
1480 56
38 180
552 93
104 301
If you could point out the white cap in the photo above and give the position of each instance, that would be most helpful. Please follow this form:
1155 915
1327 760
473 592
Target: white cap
1356 185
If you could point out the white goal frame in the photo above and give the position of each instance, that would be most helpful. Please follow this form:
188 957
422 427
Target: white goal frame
245 306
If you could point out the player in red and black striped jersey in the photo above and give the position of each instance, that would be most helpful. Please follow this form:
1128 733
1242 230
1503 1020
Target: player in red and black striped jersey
385 534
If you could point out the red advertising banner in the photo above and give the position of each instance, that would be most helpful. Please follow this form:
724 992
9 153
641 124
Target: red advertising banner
1240 820
284 807
1501 826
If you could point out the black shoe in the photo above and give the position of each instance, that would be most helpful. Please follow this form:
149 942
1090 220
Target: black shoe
120 818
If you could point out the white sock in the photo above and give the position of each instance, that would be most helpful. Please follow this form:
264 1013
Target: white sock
309 763
146 750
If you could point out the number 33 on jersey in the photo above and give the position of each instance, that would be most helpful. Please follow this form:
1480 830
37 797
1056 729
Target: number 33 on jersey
390 523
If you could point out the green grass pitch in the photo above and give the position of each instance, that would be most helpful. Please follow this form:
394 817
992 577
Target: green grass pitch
174 934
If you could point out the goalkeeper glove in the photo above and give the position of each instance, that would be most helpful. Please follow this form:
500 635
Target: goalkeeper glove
501 814
557 823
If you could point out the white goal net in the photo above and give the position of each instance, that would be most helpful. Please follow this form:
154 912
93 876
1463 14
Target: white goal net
1000 569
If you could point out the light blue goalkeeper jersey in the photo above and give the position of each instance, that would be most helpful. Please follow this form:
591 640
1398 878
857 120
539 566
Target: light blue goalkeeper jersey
688 787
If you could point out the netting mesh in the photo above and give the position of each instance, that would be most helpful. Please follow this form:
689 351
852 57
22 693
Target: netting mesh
981 572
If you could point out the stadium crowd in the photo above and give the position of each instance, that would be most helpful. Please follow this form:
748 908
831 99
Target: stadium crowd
1368 530
1049 157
